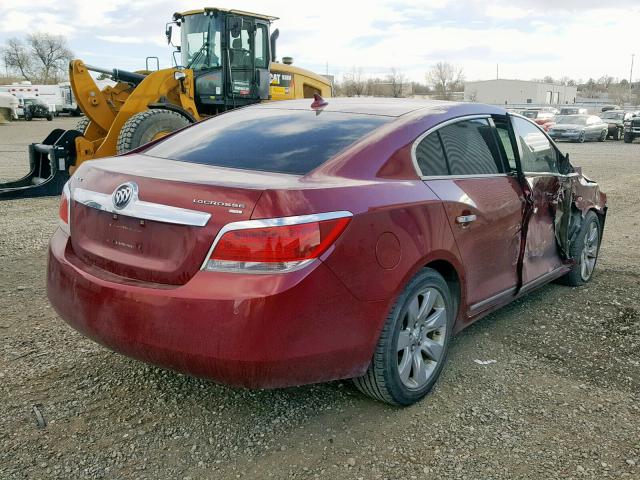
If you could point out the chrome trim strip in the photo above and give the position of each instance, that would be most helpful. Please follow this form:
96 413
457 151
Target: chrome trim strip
414 147
550 174
273 222
140 209
462 177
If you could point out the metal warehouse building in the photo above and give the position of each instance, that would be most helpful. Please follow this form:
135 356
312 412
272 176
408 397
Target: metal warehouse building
506 92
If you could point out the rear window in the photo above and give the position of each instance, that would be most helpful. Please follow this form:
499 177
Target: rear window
271 140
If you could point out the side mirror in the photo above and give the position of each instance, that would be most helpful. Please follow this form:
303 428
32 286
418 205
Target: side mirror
168 32
272 41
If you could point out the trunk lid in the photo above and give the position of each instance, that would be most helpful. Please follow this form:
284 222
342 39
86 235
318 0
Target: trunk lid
149 249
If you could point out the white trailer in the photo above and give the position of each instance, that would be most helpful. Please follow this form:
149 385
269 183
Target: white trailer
58 98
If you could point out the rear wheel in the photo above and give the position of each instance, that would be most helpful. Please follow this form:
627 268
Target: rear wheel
584 250
414 343
628 138
143 127
618 134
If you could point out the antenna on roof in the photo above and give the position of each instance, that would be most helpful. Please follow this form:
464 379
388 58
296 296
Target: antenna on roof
318 101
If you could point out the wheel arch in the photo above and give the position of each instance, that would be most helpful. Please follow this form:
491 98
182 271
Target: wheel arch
453 279
173 108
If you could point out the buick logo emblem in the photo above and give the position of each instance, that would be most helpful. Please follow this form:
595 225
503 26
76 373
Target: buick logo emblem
124 194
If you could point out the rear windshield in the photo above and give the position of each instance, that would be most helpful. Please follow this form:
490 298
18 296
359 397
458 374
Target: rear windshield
271 140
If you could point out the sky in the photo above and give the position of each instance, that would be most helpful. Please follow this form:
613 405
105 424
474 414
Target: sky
527 39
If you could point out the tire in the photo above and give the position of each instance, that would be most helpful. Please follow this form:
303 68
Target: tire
584 250
618 134
603 136
383 380
628 138
28 118
82 125
144 127
582 137
49 117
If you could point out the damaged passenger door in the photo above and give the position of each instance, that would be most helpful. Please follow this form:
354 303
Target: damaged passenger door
547 181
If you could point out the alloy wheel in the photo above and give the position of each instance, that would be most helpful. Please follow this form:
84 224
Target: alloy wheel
422 337
589 251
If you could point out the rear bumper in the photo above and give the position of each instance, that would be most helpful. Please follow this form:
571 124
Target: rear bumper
259 331
564 135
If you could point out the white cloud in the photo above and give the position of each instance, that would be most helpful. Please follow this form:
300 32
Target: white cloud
527 38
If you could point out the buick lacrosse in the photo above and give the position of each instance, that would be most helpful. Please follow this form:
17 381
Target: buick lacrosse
289 243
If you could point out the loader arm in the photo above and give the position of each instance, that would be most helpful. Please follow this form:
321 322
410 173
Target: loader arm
109 109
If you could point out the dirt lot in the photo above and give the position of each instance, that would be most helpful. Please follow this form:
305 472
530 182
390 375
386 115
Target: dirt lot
562 401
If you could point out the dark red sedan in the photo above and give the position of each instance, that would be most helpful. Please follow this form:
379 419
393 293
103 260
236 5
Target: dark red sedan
282 244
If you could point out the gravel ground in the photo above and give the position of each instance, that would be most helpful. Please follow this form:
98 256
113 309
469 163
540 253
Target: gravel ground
562 401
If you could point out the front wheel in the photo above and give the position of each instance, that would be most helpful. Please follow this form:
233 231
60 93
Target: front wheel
582 137
628 138
414 342
144 127
584 250
603 136
618 134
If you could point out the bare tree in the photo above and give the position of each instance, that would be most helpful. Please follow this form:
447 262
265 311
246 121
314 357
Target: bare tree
18 58
445 79
354 84
605 81
42 58
398 80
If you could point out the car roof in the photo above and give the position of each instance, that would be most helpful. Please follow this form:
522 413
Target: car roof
390 107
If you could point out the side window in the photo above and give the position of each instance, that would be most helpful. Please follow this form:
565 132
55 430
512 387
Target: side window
538 155
430 156
502 128
261 47
470 148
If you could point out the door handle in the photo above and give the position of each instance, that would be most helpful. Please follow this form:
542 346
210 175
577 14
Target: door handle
466 219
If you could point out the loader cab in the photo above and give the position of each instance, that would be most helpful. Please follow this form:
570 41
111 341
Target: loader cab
229 53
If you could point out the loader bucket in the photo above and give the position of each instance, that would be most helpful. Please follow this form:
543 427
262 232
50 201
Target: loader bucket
49 164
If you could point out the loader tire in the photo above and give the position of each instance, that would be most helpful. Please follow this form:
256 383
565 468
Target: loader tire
82 125
143 127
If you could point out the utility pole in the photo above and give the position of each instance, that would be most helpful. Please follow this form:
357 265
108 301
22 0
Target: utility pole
631 77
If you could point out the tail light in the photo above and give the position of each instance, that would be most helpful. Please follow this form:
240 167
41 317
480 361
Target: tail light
275 245
65 208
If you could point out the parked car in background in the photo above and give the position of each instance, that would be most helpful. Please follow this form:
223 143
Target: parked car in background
36 109
632 127
282 244
615 119
573 111
579 128
542 117
607 108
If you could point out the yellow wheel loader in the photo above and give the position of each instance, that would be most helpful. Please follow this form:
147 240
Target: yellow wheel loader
227 59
